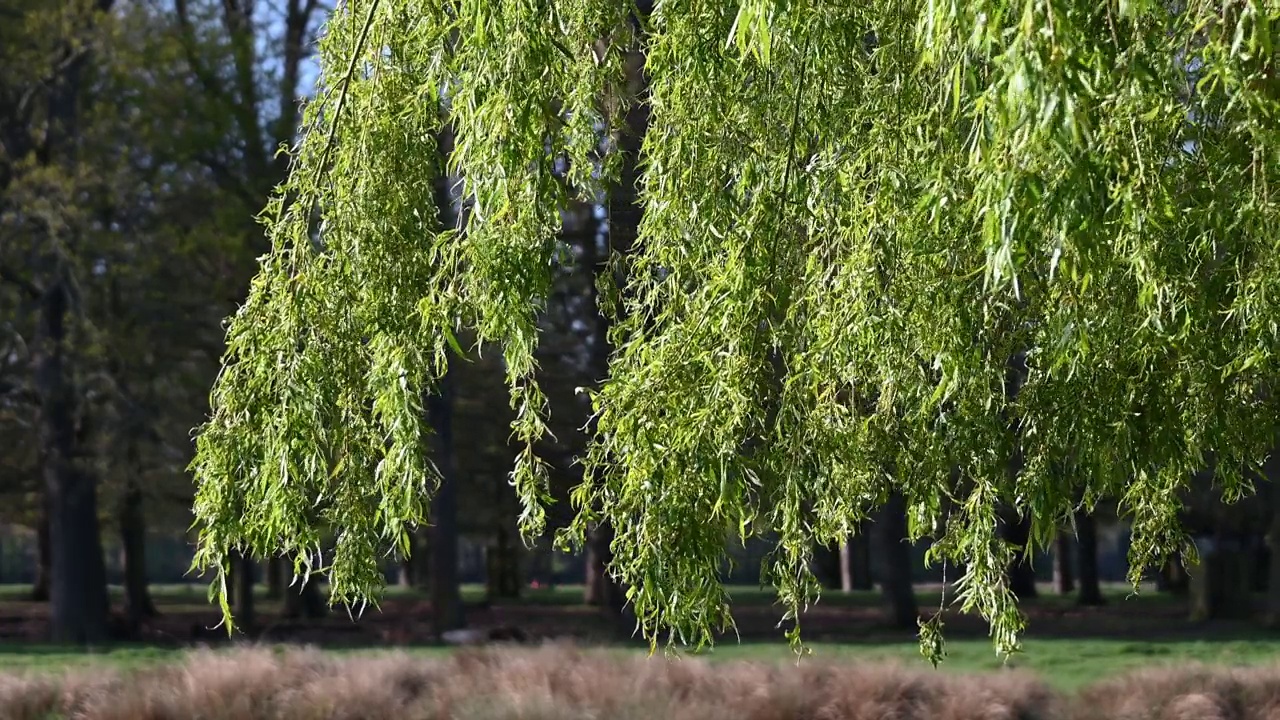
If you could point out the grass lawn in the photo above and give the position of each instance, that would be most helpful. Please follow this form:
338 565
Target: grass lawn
1064 663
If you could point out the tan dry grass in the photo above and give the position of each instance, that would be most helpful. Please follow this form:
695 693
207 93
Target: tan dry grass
1185 693
562 683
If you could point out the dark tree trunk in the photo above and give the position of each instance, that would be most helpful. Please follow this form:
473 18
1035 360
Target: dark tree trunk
78 587
1022 575
896 564
1273 567
446 601
133 542
1271 475
826 566
855 563
624 212
503 567
44 555
1087 551
1220 584
1172 577
78 582
612 596
420 562
304 601
594 575
1064 576
275 572
442 569
242 569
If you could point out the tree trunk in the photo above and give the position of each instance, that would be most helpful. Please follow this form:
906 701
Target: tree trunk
1087 553
404 573
593 575
446 600
304 601
855 563
1064 578
826 566
612 596
1220 583
1172 577
44 555
420 562
78 586
242 569
275 572
133 541
502 566
896 564
1273 568
78 582
624 216
1271 473
1022 574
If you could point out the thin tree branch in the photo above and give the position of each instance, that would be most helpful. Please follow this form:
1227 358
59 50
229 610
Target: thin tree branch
188 35
11 276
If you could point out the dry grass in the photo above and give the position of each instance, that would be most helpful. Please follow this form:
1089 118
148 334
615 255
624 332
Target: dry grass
1189 693
561 683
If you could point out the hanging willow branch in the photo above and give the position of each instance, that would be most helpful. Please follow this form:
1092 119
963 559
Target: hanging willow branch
858 220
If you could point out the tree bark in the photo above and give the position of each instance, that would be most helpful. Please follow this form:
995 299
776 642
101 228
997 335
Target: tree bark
502 565
420 562
826 566
612 596
1271 474
1022 574
1087 553
594 574
1172 577
133 540
1064 577
404 572
1220 584
242 569
855 563
44 555
896 564
78 581
625 212
78 587
446 600
275 572
303 601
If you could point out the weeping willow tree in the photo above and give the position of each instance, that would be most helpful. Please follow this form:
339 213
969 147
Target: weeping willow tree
982 255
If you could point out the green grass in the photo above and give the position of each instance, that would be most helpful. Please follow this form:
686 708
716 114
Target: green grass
1065 664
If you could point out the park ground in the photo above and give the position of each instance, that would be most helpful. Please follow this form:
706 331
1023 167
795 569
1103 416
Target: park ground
1066 646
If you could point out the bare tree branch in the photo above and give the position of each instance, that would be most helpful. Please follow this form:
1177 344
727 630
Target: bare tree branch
11 276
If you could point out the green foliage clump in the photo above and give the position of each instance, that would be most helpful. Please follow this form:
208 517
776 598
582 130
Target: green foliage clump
993 256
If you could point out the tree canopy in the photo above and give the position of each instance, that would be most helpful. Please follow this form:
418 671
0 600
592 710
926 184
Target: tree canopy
994 256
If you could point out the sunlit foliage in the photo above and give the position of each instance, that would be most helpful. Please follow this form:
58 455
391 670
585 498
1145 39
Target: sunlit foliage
992 255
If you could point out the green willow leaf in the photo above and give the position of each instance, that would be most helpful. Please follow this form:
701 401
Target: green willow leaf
991 259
